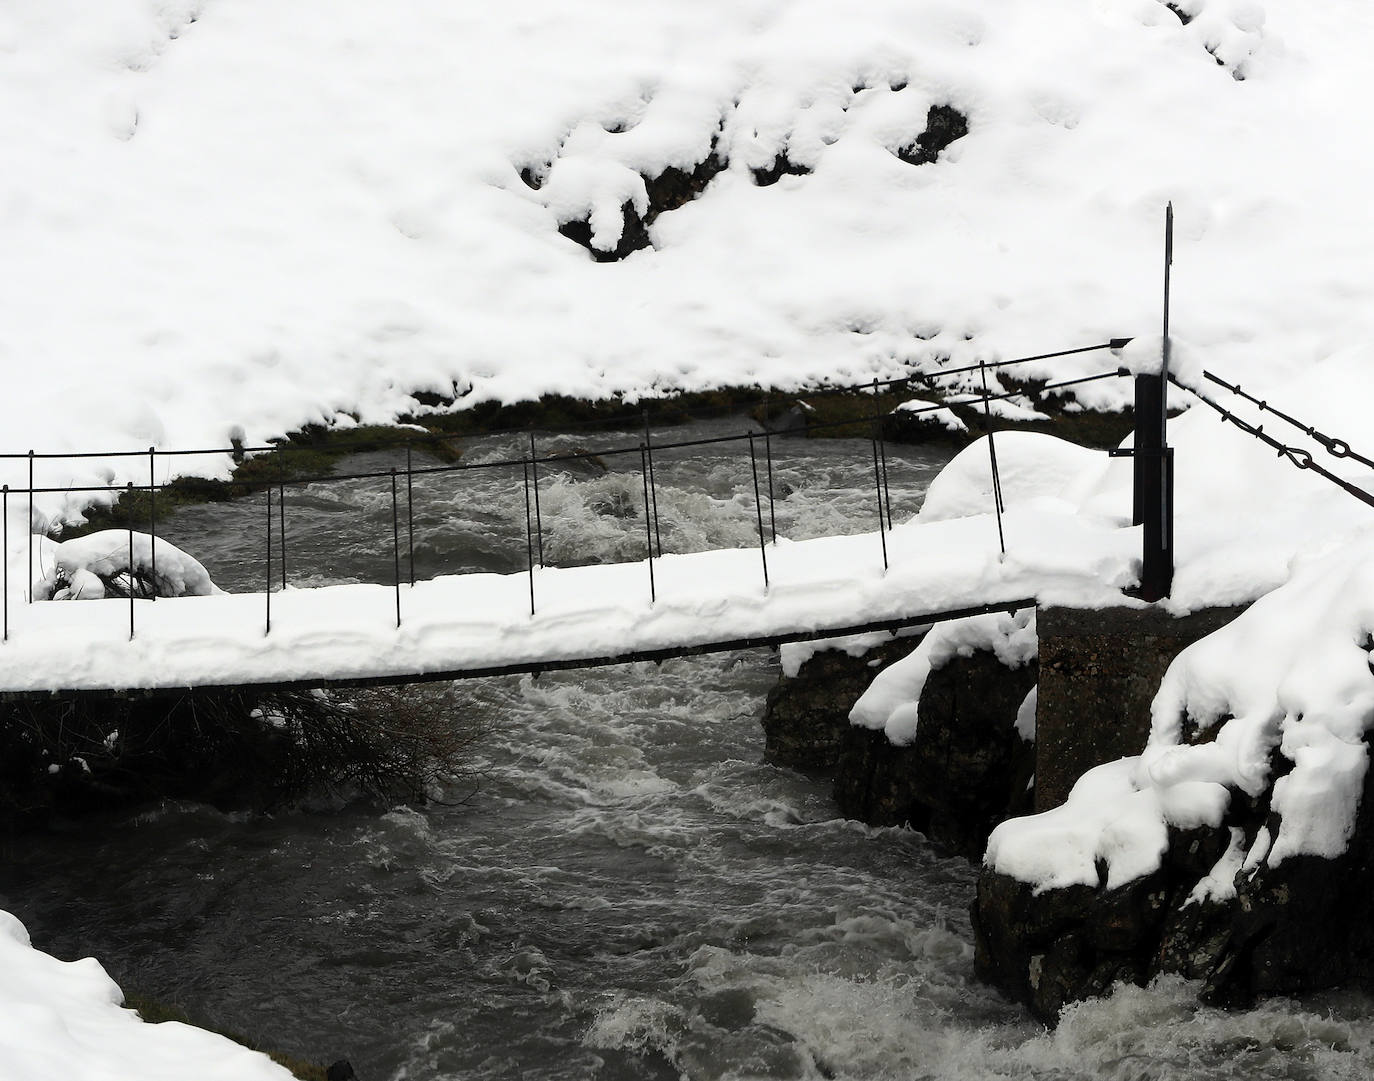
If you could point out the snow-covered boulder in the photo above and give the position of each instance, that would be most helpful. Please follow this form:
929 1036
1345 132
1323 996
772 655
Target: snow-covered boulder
116 561
64 1019
940 739
1238 847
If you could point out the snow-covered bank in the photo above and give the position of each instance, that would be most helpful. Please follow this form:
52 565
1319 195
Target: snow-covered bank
64 1019
229 213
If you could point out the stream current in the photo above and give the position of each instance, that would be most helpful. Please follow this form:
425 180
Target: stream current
626 889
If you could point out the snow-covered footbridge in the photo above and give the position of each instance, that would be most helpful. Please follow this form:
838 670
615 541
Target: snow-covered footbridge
160 626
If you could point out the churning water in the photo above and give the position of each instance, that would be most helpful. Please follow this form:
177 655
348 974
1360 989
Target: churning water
630 892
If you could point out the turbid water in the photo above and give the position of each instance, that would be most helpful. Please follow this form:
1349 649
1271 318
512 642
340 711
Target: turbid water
628 891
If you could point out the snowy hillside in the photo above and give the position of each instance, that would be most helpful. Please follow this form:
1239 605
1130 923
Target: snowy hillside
237 212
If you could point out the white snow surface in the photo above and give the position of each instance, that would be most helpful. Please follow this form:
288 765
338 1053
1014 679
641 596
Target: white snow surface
64 1019
241 214
237 217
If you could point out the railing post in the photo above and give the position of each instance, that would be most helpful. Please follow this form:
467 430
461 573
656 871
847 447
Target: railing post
529 534
538 514
131 560
410 511
30 571
653 484
395 546
152 515
758 509
1153 503
267 577
648 521
281 528
6 545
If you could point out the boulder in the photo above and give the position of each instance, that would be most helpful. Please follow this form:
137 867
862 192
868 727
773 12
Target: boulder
806 717
966 772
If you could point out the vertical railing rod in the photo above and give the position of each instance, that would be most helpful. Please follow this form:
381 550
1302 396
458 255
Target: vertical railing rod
30 572
997 503
396 546
538 515
410 512
281 529
529 534
131 560
882 450
648 525
878 490
758 509
152 515
267 578
653 483
768 455
5 527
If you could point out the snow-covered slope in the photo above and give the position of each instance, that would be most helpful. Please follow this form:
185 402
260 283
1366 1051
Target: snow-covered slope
240 212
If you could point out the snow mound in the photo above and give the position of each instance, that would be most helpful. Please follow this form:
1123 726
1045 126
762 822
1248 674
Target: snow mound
1280 701
1031 466
63 1019
88 567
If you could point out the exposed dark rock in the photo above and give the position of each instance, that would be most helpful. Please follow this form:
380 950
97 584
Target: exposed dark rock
944 124
1304 924
671 189
908 426
674 188
794 421
968 770
1106 665
781 166
806 718
634 236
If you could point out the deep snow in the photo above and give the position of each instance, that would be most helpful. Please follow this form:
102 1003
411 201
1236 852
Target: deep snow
230 216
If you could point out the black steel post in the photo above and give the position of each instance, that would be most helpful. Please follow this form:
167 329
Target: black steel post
152 515
5 543
538 514
131 560
1154 496
758 509
396 545
267 578
529 534
648 526
882 451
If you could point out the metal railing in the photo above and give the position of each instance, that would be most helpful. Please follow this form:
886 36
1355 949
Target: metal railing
758 442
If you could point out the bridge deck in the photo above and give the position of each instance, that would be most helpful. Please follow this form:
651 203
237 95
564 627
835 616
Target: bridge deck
469 625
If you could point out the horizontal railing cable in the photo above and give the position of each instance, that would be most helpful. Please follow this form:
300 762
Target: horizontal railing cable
576 456
628 419
1337 448
1299 457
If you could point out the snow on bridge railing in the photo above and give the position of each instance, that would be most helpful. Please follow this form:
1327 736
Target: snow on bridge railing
529 465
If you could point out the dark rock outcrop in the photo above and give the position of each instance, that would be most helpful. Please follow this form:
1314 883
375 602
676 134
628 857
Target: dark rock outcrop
1104 664
944 124
806 718
1304 924
967 772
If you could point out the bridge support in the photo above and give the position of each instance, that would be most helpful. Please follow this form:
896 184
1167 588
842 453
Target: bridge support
1153 502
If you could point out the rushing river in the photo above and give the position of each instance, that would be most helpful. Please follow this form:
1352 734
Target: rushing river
627 890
